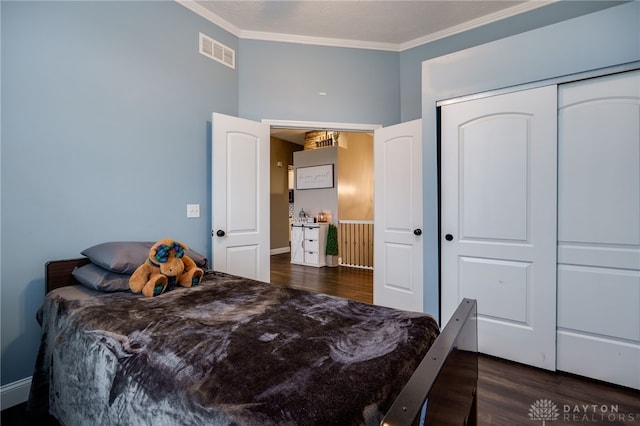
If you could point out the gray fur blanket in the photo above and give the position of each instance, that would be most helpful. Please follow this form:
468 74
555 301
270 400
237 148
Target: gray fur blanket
231 351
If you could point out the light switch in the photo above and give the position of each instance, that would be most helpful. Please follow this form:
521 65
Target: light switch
193 210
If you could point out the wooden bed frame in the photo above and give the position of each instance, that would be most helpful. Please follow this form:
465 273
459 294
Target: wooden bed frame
441 391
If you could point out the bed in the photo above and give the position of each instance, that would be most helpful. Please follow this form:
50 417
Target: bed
235 351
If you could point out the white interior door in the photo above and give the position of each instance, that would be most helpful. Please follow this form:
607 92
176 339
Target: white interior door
599 229
397 276
240 197
498 220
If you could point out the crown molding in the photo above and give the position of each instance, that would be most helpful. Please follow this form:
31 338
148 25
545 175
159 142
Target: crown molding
210 16
356 44
476 23
318 41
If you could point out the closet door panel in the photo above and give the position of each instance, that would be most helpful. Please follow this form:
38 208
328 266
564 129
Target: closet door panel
599 154
599 228
622 257
576 287
498 220
614 361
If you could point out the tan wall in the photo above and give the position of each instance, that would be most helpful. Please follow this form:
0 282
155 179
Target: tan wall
281 151
355 178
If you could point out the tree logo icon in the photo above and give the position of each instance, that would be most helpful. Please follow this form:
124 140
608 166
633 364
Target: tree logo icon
544 409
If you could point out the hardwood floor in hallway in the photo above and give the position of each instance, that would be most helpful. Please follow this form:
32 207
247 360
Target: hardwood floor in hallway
342 281
507 391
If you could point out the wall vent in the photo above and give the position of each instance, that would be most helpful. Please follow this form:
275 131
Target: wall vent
217 51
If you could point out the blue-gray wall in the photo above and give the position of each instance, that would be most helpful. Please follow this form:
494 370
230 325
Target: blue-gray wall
105 111
283 81
411 59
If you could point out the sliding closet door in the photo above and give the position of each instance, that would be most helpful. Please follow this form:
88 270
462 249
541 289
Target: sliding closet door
498 220
599 229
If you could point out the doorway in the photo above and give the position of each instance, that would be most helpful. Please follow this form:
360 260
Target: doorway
353 182
240 163
352 189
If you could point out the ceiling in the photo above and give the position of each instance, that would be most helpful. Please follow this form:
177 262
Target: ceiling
385 25
290 135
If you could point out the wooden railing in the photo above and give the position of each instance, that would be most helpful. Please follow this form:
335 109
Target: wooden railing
356 243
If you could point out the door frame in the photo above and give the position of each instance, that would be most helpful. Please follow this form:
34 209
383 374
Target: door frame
569 78
321 125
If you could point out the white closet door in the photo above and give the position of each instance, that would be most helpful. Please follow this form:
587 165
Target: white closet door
498 220
599 229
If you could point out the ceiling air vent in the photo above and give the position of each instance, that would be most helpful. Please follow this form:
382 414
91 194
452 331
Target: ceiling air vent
217 51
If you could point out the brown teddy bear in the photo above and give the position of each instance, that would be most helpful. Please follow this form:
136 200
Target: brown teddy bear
166 267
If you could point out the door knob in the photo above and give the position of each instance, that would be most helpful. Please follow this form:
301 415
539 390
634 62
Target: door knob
220 233
448 237
417 231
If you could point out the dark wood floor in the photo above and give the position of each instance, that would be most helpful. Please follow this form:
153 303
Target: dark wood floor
506 390
350 283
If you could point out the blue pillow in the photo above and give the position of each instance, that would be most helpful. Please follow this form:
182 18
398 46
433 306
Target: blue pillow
97 278
124 257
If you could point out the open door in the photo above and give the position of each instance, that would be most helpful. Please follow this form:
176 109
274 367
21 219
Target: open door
240 197
397 276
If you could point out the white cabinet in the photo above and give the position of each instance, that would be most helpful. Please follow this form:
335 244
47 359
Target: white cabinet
308 243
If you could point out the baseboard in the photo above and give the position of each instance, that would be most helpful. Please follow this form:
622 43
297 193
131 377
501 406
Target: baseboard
15 393
280 250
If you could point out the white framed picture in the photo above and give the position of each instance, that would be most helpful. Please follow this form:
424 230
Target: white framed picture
314 177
